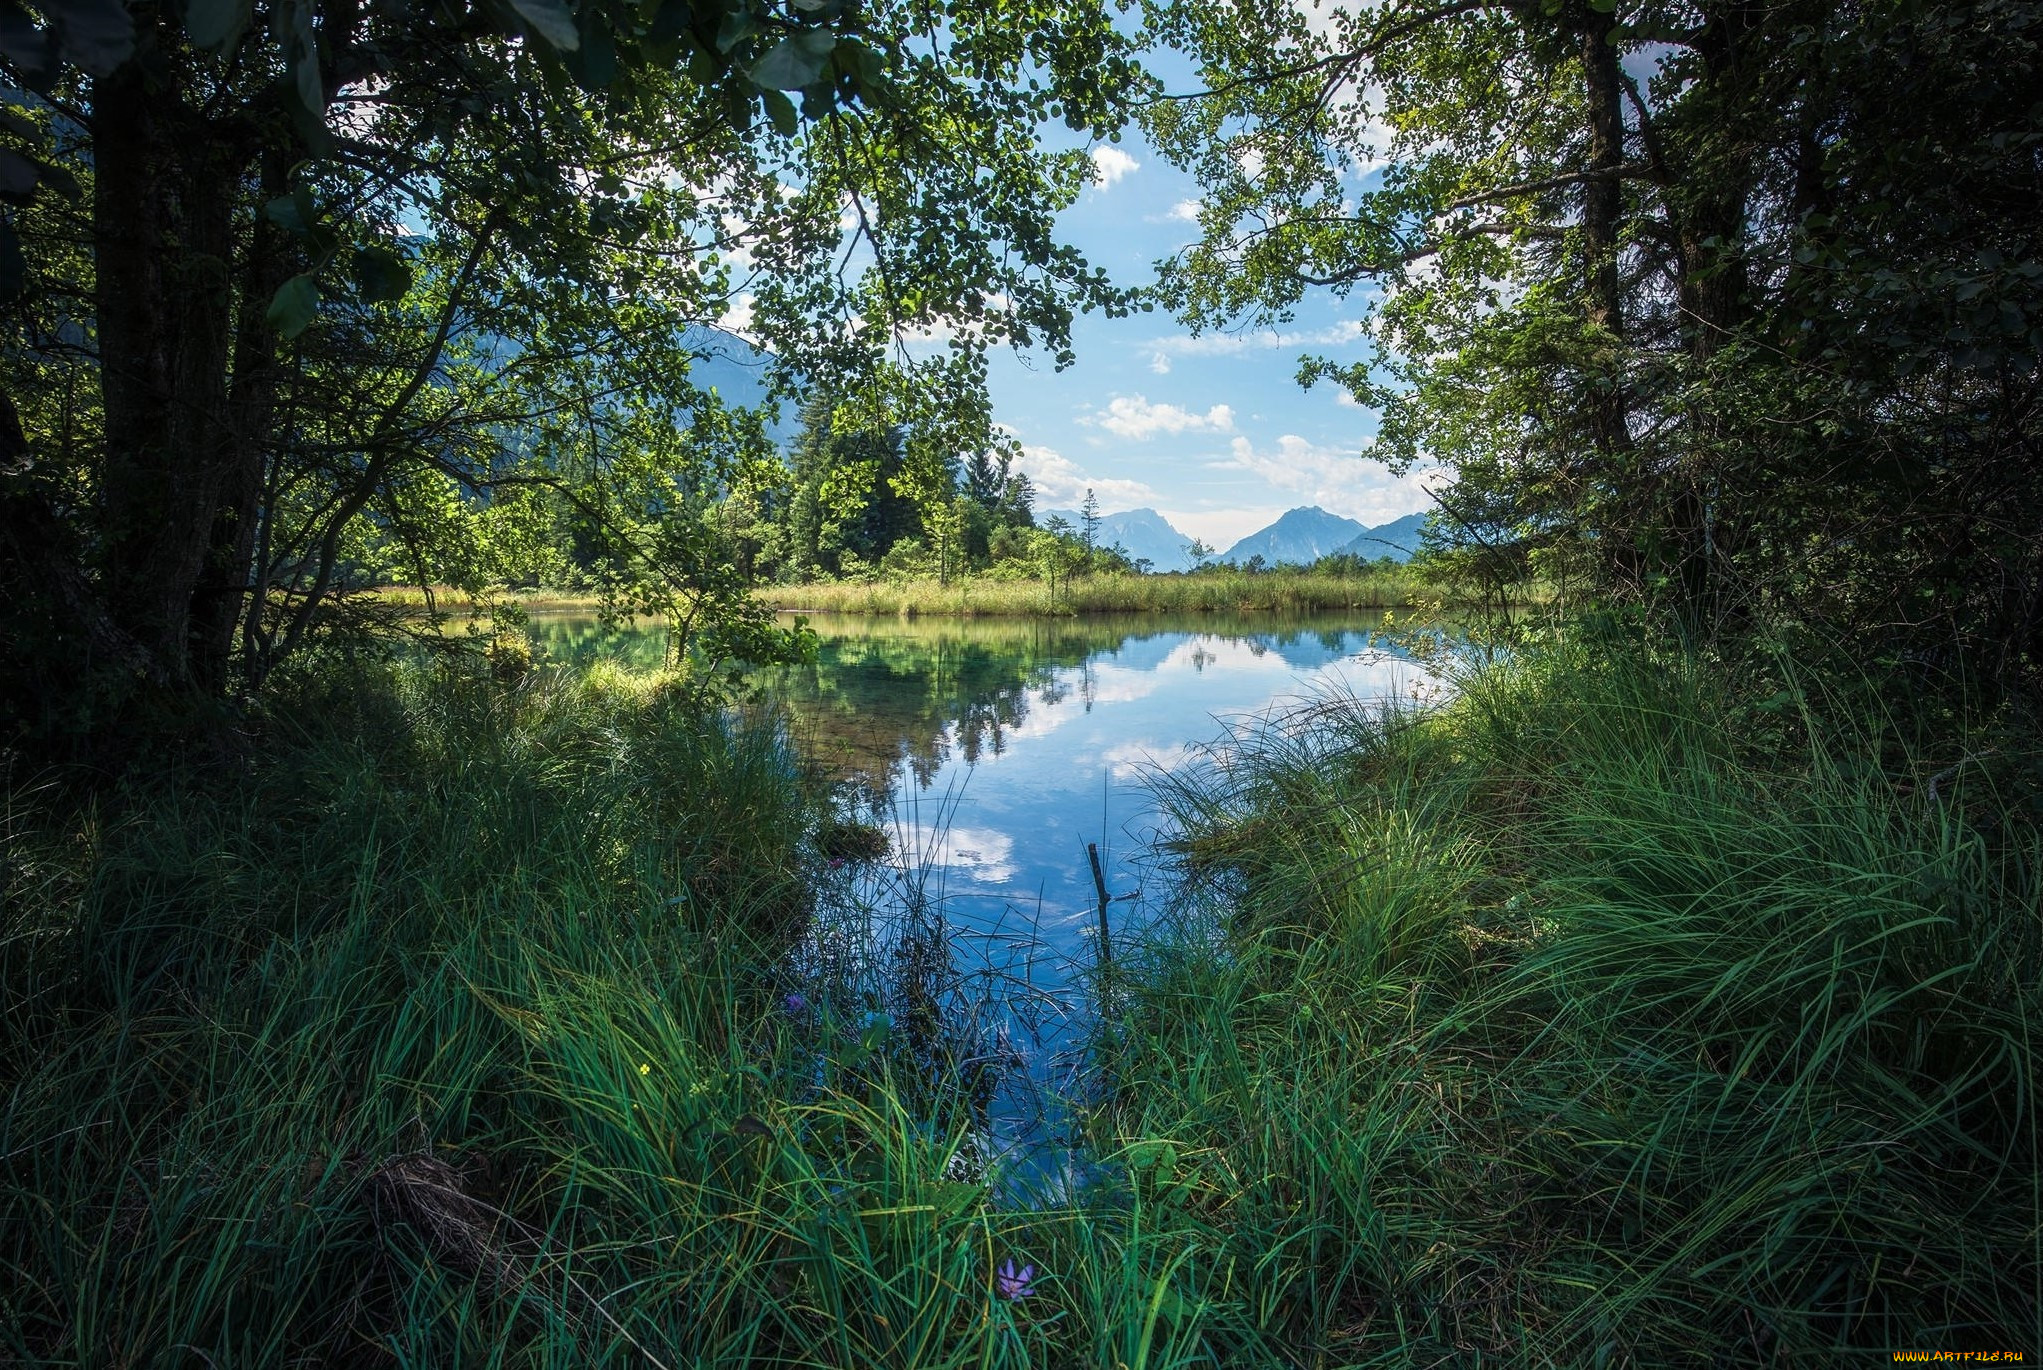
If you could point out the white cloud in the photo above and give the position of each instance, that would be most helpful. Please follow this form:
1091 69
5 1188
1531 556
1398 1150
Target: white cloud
1136 419
1222 528
1347 397
982 854
1110 164
1345 332
1059 481
737 317
1186 210
1341 482
1144 761
1159 362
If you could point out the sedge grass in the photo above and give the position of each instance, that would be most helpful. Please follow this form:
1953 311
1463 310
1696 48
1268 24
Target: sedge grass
451 1028
1557 1027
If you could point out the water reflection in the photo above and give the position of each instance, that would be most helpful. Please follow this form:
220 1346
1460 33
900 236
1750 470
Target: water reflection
995 750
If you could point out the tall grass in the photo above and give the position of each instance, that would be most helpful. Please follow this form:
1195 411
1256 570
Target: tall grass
1295 591
455 1030
1557 1026
1560 1026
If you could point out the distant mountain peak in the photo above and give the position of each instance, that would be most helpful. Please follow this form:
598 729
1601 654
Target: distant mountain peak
1299 535
1143 534
1305 534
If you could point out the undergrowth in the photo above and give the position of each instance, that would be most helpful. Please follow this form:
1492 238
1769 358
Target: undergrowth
1601 1015
1598 1017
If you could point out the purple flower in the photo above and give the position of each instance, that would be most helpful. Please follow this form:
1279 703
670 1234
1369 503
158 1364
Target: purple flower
794 1003
836 863
1010 1284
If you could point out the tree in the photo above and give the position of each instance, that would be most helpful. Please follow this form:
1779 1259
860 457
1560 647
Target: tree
301 278
1089 519
1728 308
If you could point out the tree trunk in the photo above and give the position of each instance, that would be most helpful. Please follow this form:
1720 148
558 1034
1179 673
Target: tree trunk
165 187
1602 198
1609 402
1714 297
227 578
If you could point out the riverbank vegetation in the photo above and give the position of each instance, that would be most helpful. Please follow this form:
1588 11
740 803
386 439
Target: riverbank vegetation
1598 1011
1612 1011
1289 589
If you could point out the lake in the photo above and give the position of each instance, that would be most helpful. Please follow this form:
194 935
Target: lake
992 751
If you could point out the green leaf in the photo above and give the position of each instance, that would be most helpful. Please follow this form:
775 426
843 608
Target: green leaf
382 274
865 66
22 127
216 24
737 26
781 111
295 304
61 181
595 65
31 48
551 20
305 61
796 60
295 212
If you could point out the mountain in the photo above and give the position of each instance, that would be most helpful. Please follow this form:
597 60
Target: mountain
1300 535
737 372
1396 540
1142 533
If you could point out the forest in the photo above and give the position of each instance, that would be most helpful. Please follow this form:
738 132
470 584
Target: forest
1661 991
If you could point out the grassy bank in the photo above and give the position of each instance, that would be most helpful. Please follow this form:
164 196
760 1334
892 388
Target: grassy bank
1590 1019
1599 1019
449 600
1289 591
1285 590
454 1026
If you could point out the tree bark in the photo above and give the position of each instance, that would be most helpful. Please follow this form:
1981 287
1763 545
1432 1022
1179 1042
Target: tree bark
165 187
227 578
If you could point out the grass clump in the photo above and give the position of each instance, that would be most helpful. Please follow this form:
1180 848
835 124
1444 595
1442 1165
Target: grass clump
1596 1018
1286 590
459 1026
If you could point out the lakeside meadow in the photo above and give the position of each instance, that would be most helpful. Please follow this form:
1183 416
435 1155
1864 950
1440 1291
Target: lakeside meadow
1288 590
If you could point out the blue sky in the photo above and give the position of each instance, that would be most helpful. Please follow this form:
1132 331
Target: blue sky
1212 431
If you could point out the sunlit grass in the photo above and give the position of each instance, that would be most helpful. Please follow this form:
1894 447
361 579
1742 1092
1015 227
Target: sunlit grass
1215 592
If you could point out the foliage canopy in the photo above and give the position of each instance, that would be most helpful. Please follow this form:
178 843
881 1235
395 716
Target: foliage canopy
301 291
1733 308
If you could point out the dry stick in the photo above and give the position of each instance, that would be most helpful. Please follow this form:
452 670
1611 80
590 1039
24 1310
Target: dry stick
1099 882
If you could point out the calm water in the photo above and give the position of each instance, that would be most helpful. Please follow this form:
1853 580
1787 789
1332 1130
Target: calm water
994 750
